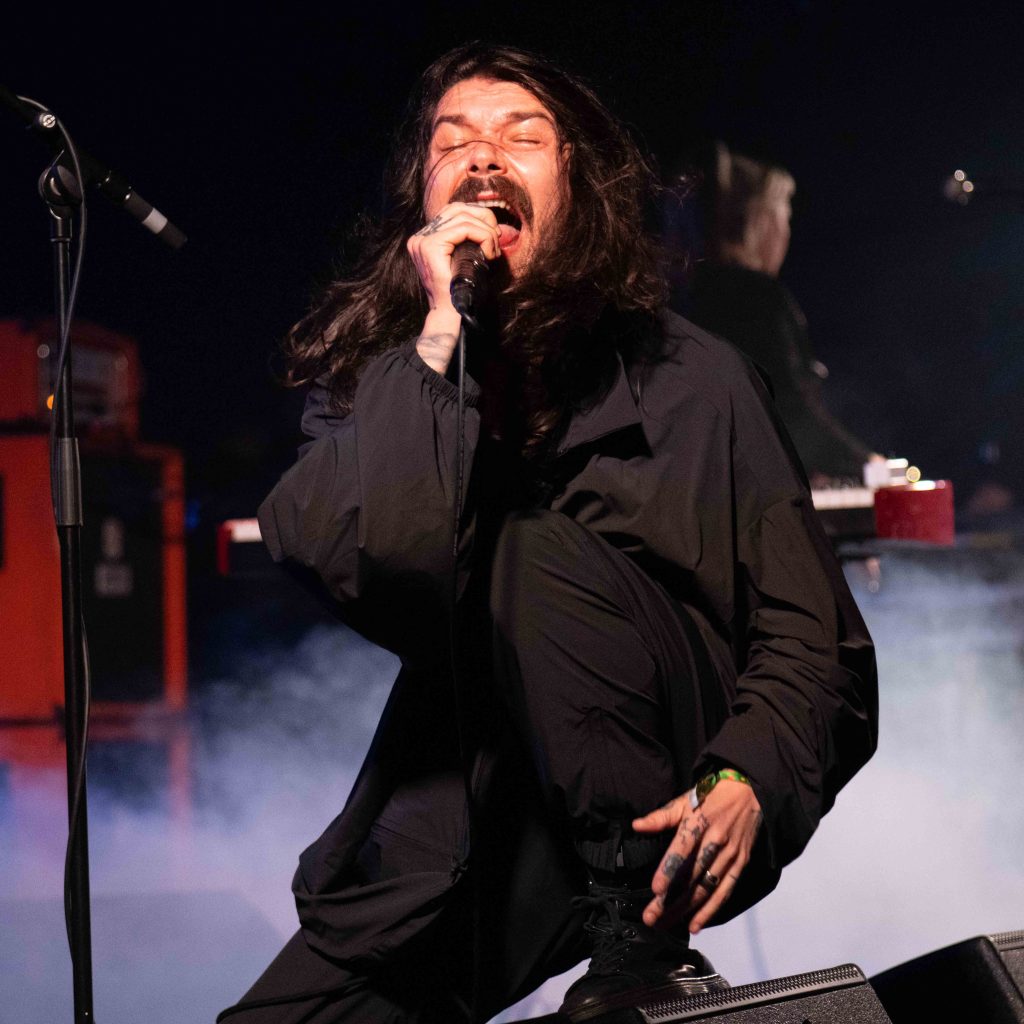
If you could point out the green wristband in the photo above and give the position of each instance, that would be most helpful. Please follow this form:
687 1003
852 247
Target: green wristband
708 783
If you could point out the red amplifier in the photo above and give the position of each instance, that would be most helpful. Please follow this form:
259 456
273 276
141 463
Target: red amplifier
133 578
31 661
106 376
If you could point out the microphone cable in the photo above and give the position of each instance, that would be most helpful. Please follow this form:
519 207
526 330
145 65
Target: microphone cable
461 725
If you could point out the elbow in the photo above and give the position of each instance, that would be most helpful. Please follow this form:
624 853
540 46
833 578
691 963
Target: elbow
270 529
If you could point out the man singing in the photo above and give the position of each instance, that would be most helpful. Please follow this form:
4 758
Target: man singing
660 678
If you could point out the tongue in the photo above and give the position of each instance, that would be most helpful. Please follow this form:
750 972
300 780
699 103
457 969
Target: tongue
507 235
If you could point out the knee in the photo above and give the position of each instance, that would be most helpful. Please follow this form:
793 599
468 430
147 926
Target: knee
531 548
529 537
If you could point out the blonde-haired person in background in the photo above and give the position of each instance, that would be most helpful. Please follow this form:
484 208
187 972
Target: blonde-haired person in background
736 293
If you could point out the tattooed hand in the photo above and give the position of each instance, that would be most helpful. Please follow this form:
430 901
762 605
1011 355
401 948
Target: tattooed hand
434 226
712 844
431 250
432 246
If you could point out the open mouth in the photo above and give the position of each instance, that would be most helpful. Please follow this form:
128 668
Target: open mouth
504 214
510 223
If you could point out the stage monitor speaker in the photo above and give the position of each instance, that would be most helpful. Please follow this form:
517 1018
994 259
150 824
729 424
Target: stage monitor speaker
980 979
837 995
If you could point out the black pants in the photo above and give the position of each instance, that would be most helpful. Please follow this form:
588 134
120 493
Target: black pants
607 680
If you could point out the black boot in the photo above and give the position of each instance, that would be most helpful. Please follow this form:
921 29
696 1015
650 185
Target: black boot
631 962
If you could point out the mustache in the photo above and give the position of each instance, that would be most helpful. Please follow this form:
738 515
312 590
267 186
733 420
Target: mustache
509 191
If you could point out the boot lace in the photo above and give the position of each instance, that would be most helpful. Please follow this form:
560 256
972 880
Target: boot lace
612 923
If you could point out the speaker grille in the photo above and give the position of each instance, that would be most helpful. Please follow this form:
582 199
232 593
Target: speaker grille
683 1008
1010 947
1007 940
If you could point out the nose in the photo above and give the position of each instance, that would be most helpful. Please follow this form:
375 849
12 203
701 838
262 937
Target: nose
484 158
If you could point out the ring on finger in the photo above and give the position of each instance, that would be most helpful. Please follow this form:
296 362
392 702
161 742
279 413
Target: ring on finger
709 881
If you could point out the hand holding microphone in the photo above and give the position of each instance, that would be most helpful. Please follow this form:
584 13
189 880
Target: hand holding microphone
450 255
435 249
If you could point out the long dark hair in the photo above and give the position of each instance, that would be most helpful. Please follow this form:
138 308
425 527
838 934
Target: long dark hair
605 268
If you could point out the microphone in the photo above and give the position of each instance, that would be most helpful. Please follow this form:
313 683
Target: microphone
108 181
469 278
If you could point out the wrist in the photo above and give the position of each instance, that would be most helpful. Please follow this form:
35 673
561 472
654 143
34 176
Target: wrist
704 786
443 320
438 338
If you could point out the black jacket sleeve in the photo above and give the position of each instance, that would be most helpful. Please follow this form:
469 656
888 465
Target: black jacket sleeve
365 515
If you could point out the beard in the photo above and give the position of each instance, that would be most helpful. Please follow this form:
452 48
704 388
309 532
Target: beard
505 290
544 245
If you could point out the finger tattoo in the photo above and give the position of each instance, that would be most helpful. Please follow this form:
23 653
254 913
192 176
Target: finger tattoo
708 855
697 830
673 862
433 227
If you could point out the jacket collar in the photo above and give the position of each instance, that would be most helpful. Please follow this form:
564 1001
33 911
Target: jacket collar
616 411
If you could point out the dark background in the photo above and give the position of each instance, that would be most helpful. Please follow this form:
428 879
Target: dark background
264 135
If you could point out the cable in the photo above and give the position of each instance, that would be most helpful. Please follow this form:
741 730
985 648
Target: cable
460 470
79 783
453 626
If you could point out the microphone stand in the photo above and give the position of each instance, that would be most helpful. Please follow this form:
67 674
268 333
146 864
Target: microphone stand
60 193
61 190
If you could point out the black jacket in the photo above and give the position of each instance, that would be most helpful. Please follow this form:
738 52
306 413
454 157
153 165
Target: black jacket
681 465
